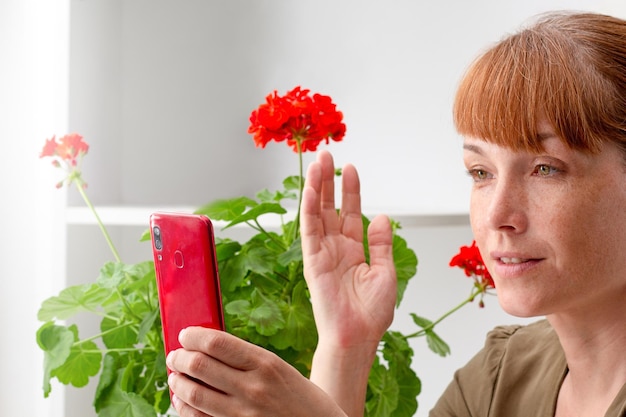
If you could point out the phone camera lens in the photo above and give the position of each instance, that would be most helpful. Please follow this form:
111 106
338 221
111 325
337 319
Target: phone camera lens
156 231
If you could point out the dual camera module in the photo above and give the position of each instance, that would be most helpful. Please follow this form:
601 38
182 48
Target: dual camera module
156 233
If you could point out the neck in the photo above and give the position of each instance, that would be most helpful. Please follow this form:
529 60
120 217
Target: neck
593 343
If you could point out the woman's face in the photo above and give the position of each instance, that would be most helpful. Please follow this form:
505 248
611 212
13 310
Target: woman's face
551 226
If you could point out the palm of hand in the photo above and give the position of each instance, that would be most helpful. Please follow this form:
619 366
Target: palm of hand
353 301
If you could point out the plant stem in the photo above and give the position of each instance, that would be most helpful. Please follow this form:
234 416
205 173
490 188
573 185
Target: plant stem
111 330
296 222
475 291
80 186
133 349
149 383
257 226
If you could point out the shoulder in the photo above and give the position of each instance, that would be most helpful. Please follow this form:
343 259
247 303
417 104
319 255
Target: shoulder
535 338
522 348
517 362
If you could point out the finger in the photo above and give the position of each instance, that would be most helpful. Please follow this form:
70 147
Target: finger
204 382
317 210
201 368
311 227
350 216
184 410
380 241
330 219
226 348
188 392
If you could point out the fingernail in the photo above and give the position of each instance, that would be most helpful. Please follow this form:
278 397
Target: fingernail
175 401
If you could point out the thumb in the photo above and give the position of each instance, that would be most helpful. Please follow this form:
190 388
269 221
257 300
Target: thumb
380 242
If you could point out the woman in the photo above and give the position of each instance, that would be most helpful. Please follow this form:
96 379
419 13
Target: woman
543 114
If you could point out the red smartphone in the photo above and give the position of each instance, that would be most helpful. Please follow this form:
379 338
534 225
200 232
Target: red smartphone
187 276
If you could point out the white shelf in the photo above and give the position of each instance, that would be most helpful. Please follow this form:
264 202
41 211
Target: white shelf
117 215
139 216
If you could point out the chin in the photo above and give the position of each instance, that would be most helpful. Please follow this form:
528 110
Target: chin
521 307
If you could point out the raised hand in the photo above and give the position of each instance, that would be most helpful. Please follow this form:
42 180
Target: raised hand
353 301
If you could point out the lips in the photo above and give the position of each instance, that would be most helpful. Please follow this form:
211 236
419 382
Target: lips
513 265
507 260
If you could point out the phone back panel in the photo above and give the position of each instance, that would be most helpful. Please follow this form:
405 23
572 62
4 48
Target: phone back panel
186 272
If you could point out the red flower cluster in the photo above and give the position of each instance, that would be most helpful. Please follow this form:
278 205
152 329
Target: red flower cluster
66 153
68 148
297 117
470 260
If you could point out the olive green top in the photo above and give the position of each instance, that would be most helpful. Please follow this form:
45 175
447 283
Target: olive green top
517 374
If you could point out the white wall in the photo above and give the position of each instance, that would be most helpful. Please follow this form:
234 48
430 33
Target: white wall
34 40
168 85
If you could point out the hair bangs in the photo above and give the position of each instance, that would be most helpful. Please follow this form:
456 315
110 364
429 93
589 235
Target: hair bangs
524 81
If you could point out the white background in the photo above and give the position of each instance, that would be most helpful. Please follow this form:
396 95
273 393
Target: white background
162 91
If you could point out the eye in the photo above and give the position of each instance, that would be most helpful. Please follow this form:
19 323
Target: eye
478 174
544 170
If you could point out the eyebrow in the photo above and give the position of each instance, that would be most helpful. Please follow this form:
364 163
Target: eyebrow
473 148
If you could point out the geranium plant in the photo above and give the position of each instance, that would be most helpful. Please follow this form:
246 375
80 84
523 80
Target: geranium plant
265 296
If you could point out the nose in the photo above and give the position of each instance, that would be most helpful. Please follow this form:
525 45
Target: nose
506 208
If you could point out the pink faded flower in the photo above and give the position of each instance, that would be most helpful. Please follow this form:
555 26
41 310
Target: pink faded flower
66 152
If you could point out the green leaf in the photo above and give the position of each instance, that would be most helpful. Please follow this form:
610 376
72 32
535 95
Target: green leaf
436 344
257 257
129 376
396 348
145 236
147 324
83 362
162 401
226 249
118 334
265 315
71 300
240 308
409 387
108 376
398 354
293 254
256 211
226 210
405 261
260 312
299 332
265 196
56 343
421 321
120 403
383 391
233 271
119 274
293 183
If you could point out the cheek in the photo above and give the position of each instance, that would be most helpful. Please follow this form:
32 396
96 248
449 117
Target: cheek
586 235
477 212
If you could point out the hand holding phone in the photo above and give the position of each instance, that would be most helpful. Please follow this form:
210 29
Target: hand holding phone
187 276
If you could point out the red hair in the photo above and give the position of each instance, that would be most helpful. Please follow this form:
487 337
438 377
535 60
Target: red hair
568 69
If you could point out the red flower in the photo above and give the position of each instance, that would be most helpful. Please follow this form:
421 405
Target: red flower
470 260
66 153
68 148
297 117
